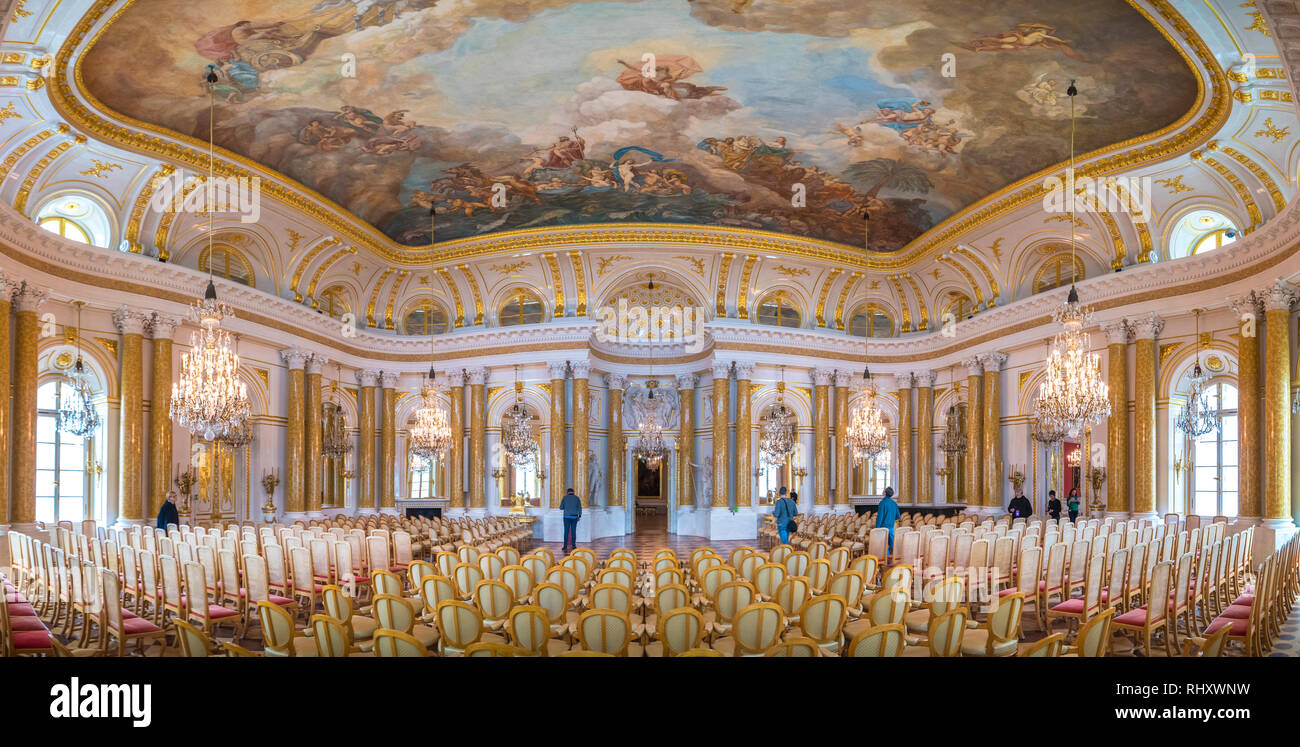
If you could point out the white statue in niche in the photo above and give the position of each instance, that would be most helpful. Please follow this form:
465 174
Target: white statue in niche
703 472
595 478
665 406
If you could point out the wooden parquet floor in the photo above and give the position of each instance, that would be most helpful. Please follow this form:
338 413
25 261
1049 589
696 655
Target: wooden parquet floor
652 534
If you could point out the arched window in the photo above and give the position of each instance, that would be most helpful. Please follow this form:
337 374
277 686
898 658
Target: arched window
779 310
422 478
957 304
1214 457
425 318
333 302
1201 231
871 477
77 218
61 477
521 307
1057 272
871 321
227 262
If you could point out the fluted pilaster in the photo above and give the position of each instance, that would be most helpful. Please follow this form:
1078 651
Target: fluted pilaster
1145 331
131 325
295 445
366 382
686 439
1277 299
27 300
163 329
1117 432
975 432
905 490
821 436
843 475
388 441
312 483
581 371
614 458
558 371
6 378
924 437
721 416
992 430
1250 485
478 438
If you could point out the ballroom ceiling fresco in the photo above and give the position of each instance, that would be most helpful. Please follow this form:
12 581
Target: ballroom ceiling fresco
711 112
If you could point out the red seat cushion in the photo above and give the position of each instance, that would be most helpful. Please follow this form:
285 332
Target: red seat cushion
217 612
139 626
1244 600
13 597
22 610
1237 612
278 601
128 614
1239 627
1006 592
33 639
1071 606
1136 618
26 623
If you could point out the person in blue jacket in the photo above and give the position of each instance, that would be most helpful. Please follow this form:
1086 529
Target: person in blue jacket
887 514
571 508
784 512
168 513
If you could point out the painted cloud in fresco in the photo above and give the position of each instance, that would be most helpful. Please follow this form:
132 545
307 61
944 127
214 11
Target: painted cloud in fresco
549 99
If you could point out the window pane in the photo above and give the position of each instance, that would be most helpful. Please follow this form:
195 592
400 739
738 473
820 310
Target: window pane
1230 453
46 426
1229 479
72 509
1229 504
45 509
1229 397
44 456
1205 478
1229 427
72 456
45 482
1206 503
45 396
1207 452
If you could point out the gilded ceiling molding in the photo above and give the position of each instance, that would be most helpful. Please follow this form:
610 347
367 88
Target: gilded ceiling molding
903 305
133 224
920 300
994 289
822 295
742 298
1145 245
844 297
374 296
724 275
557 281
1279 201
1243 193
320 272
392 298
473 288
168 218
17 154
970 279
34 175
1118 251
1172 140
579 279
307 260
455 296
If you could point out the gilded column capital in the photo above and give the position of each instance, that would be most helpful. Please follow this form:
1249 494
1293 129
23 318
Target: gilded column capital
974 365
294 358
27 297
580 369
558 369
1117 331
822 376
456 377
368 378
388 379
163 326
1147 327
843 379
744 370
1246 303
615 381
315 362
904 380
130 322
1277 297
721 370
687 381
993 362
477 376
925 379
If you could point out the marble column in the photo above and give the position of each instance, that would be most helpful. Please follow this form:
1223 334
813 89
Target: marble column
1145 331
130 490
974 488
6 293
721 418
295 446
581 371
556 479
312 485
27 302
744 434
994 490
366 382
478 440
905 489
821 436
1277 301
1250 484
686 440
925 438
162 328
1117 462
843 460
614 463
388 442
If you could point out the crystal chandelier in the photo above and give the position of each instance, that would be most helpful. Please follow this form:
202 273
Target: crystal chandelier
1073 394
650 447
1197 417
238 436
335 444
209 399
77 413
1074 458
867 435
953 441
1045 429
430 437
776 429
517 430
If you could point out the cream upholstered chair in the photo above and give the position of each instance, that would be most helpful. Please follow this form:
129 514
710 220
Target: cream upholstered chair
886 607
494 600
530 629
279 635
796 564
114 625
868 566
754 630
1210 645
880 641
191 641
804 648
395 613
1152 616
618 598
333 639
822 619
567 579
944 594
556 601
1052 585
667 598
459 625
790 596
944 636
435 589
1179 608
520 581
999 635
491 564
604 630
1077 610
487 649
1048 647
678 630
338 605
1093 639
467 577
447 562
767 577
394 643
848 584
200 610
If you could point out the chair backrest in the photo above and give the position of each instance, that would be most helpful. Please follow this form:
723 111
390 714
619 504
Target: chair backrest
620 576
467 577
715 577
848 584
731 597
1004 620
669 576
386 582
671 597
518 579
459 625
554 599
792 594
491 565
1158 600
393 613
945 632
887 607
566 578
394 643
191 641
878 542
530 628
1049 647
822 618
768 577
680 630
898 576
436 589
1055 570
779 553
819 574
332 636
606 631
610 597
878 641
1093 639
839 559
756 628
867 565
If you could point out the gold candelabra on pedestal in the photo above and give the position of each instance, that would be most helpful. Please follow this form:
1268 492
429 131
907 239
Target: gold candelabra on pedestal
185 482
269 482
1096 476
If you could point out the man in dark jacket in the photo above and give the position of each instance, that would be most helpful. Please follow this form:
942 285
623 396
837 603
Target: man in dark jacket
168 513
571 508
1020 506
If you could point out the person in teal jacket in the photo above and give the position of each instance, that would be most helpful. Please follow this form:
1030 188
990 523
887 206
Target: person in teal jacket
887 514
784 511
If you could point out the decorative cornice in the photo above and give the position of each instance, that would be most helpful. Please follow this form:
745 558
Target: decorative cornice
1246 303
1279 296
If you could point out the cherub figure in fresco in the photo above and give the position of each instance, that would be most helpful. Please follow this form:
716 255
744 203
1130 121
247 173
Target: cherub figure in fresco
599 177
385 145
324 136
855 138
558 155
361 120
627 172
397 122
921 111
1023 36
455 204
671 70
234 79
220 44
